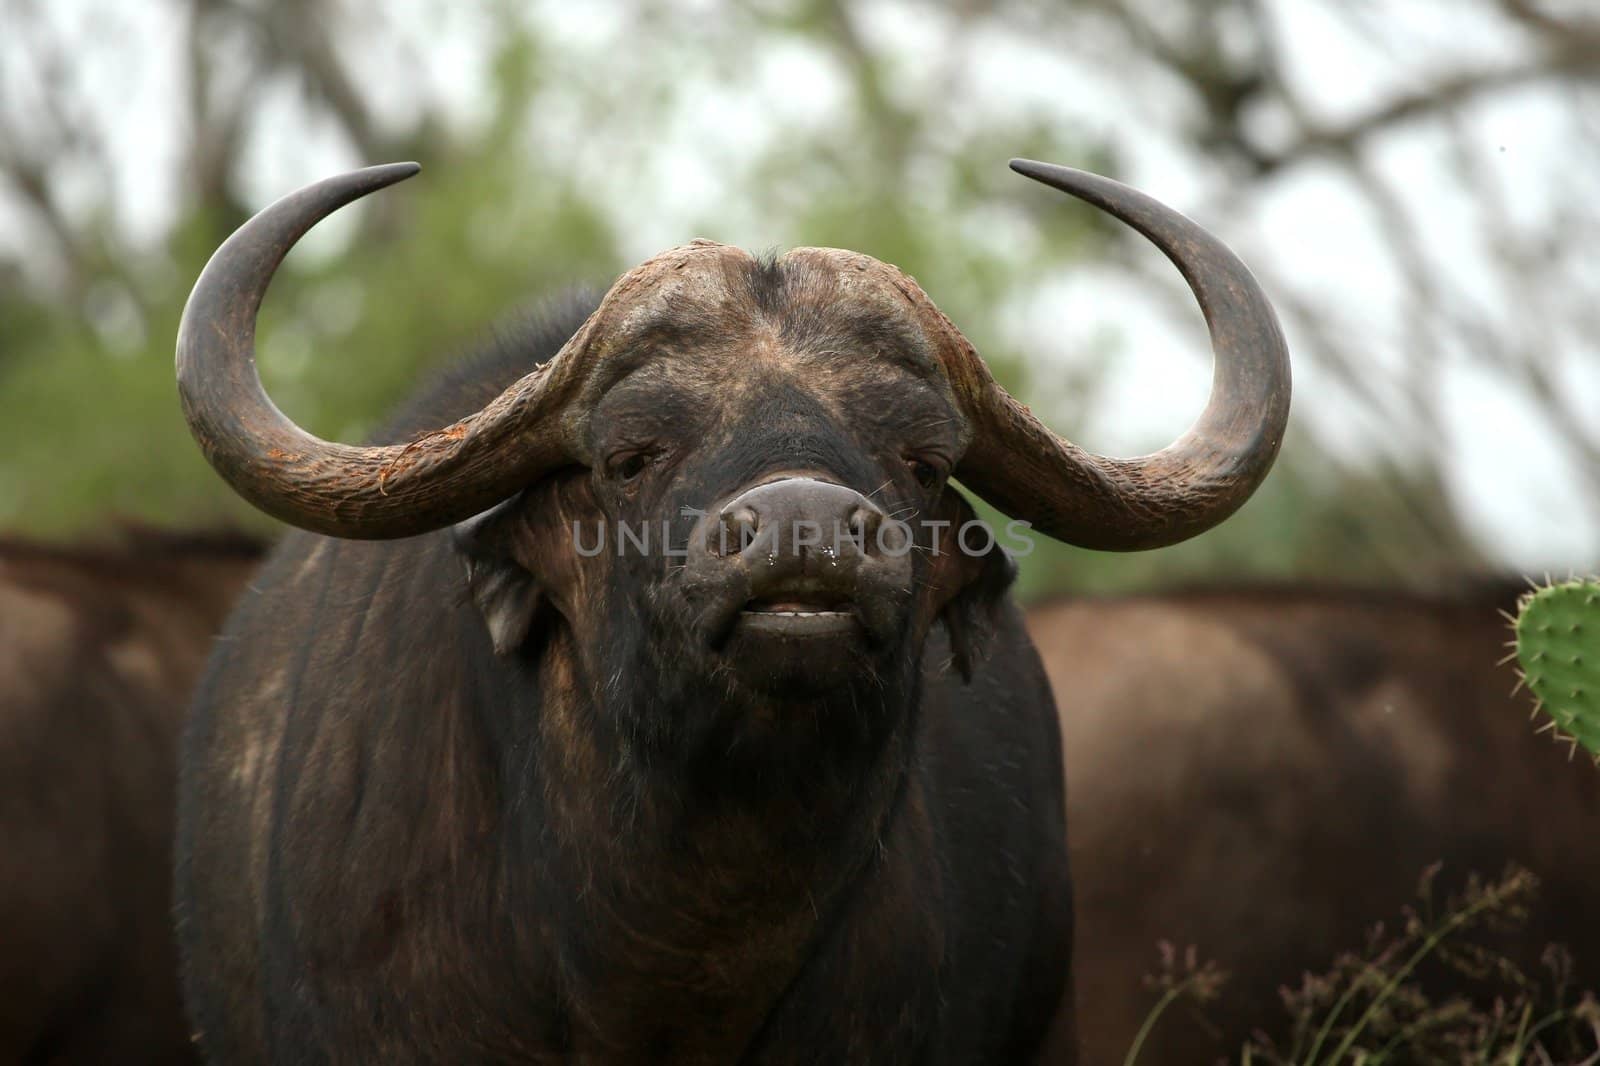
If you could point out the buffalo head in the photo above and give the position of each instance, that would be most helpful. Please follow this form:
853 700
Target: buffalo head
734 479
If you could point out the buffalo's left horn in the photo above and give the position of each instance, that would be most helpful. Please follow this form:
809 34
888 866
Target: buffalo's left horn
367 492
1024 469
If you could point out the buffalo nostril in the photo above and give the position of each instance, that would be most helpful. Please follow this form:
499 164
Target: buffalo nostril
738 530
863 525
797 518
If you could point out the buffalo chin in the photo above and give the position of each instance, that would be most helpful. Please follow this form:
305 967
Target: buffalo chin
804 655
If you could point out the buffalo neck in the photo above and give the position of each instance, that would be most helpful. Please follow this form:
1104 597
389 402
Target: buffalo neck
691 870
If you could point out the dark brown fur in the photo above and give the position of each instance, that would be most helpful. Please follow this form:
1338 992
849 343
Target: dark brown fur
99 646
1264 774
470 797
467 797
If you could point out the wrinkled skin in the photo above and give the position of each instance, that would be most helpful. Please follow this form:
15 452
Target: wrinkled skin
476 796
99 648
1265 774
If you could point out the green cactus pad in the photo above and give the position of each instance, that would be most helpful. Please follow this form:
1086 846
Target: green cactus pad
1558 645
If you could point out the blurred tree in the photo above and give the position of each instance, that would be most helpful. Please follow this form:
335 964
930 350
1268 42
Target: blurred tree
90 425
562 144
1484 261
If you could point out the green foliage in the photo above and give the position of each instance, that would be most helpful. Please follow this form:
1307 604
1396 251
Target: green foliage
89 422
1304 520
1558 646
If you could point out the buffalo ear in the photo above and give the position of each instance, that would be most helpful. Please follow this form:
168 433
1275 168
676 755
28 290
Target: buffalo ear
978 583
505 592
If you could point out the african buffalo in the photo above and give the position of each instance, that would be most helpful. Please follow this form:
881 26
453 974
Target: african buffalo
99 647
481 793
1265 773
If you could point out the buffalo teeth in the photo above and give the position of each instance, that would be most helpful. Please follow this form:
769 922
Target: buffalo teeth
796 614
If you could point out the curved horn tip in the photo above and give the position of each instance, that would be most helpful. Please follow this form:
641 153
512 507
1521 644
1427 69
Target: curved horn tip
385 174
341 189
1032 168
1080 183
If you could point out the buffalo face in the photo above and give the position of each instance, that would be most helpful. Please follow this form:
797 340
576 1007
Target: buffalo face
763 512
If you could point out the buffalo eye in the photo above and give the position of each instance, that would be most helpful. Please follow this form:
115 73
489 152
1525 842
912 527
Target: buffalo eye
926 473
630 467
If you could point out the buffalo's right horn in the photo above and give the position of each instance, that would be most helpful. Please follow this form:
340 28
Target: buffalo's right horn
365 492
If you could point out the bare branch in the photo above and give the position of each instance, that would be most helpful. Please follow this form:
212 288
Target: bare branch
1579 59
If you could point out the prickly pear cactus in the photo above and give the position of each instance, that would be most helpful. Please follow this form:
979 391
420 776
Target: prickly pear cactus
1558 645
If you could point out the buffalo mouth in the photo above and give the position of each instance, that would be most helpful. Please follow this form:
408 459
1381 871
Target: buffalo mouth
797 618
798 608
